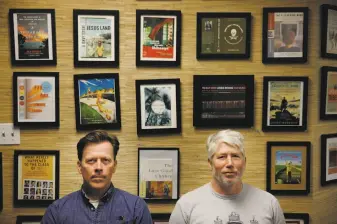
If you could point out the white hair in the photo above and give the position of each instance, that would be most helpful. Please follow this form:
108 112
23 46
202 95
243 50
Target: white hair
230 137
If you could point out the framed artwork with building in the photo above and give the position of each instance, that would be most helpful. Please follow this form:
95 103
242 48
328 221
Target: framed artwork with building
296 218
36 177
288 168
32 37
223 35
158 174
328 96
36 99
29 219
285 103
160 218
158 38
285 35
328 31
223 100
328 159
96 38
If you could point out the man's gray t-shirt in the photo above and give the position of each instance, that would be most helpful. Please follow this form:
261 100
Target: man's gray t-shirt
204 206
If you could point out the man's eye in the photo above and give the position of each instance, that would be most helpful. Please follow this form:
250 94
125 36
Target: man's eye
90 161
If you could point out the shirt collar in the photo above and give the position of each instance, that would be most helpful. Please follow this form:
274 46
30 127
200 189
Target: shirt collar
107 195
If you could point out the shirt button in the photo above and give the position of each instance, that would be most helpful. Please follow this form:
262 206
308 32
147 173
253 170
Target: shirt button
92 209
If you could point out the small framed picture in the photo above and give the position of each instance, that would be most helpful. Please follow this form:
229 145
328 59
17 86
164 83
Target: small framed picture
158 38
328 102
32 35
36 99
285 35
96 38
158 106
328 159
160 218
97 101
31 219
223 35
223 100
328 31
296 218
158 174
36 177
288 168
1 182
285 103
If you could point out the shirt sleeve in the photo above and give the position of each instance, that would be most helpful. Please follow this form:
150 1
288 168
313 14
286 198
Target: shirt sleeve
178 216
278 213
142 212
50 215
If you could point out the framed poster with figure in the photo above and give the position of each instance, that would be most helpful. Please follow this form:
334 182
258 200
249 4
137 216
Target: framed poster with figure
285 103
29 219
223 35
328 98
96 38
160 218
329 31
97 101
158 38
36 99
223 100
328 159
158 106
32 36
285 35
296 218
158 174
36 177
288 168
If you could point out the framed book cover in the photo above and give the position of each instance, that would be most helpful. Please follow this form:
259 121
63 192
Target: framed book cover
97 101
96 38
288 168
158 174
158 106
285 102
223 35
29 219
32 36
160 218
223 100
296 218
36 177
285 35
329 31
328 159
158 38
328 95
36 99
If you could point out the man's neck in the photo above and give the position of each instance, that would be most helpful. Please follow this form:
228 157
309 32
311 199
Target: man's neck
222 189
94 194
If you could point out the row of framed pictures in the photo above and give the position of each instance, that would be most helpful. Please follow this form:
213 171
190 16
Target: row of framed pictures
163 218
158 36
37 172
219 101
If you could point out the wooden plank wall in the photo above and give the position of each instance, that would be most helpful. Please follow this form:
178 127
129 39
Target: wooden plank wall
321 203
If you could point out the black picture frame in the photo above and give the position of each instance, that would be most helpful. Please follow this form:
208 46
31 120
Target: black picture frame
273 36
328 38
160 218
288 155
97 101
296 218
328 93
166 53
328 159
40 92
163 186
158 106
23 219
36 192
285 117
236 28
1 183
85 56
36 53
223 100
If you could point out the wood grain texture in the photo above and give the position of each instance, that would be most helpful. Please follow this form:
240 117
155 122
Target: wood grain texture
320 203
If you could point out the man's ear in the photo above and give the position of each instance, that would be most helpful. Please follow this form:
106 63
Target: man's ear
79 166
115 166
210 164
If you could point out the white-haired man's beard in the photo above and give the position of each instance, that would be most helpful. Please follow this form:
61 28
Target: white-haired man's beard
226 182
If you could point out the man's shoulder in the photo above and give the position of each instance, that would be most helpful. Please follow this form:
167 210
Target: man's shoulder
128 197
197 194
251 190
69 198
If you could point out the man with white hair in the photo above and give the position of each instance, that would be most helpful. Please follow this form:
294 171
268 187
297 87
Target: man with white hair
226 200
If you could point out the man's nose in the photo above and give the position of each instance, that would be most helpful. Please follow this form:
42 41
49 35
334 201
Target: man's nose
229 161
99 165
